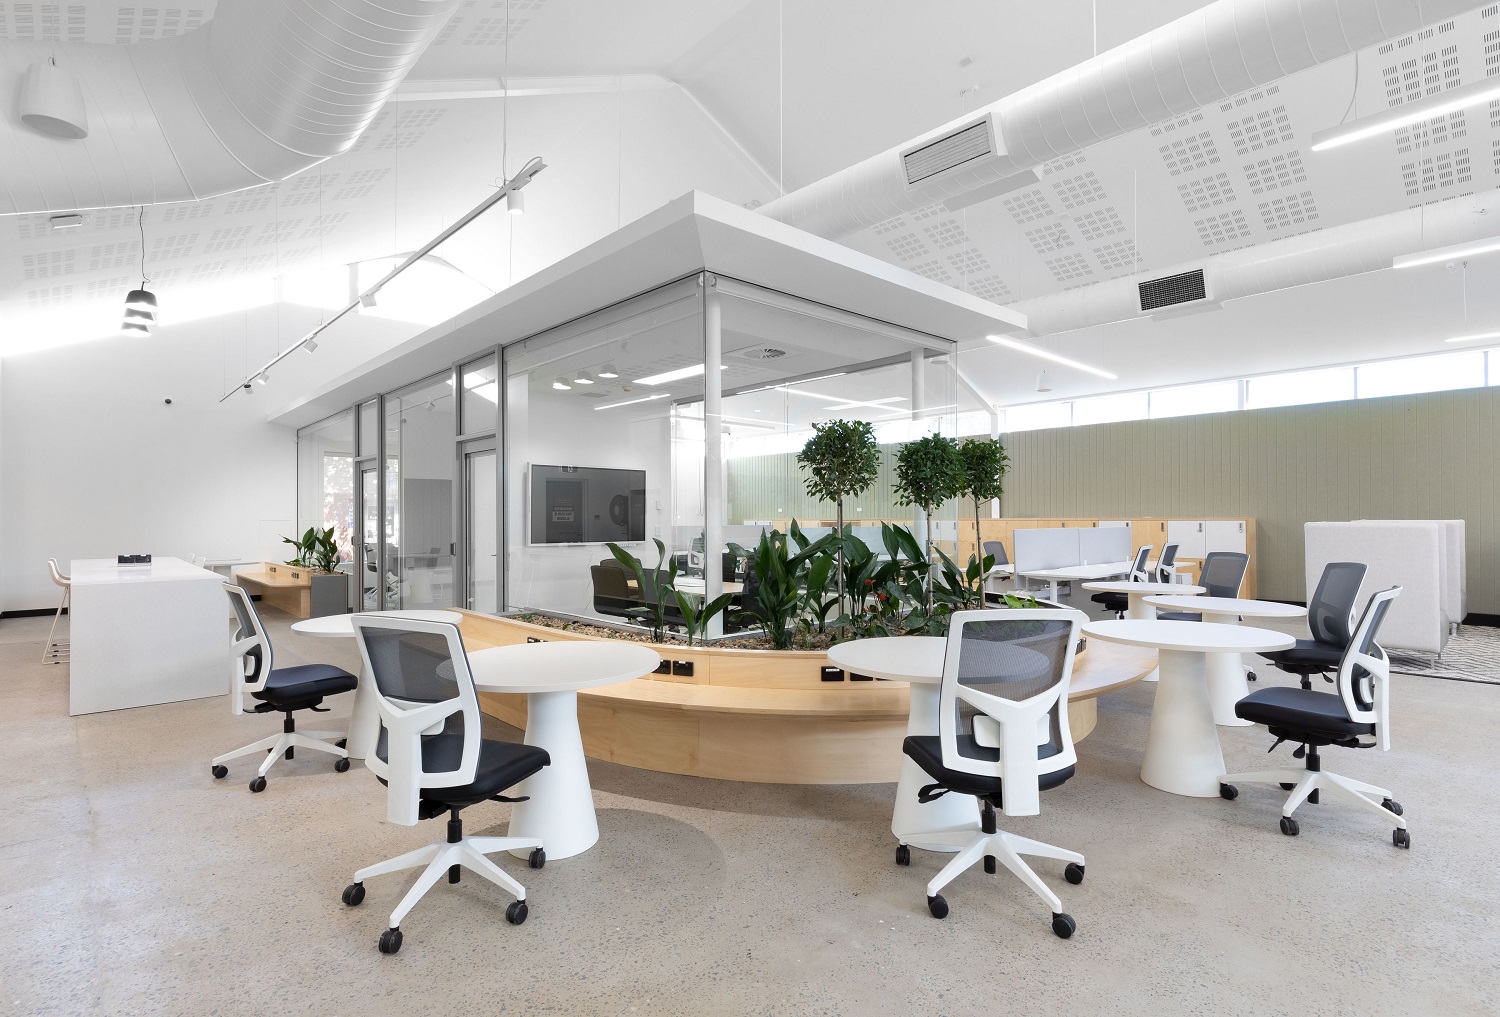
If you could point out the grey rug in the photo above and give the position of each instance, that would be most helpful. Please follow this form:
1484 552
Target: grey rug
1473 655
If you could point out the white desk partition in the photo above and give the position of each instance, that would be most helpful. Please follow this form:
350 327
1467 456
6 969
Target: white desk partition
1047 547
1408 553
146 634
1103 543
747 537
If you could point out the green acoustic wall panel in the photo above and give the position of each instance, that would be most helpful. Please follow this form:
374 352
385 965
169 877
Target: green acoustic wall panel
1431 456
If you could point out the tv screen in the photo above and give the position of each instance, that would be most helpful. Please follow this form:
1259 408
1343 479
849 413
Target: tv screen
587 505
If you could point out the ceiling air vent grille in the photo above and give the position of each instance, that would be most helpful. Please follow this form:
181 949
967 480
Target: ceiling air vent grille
1173 289
964 145
761 353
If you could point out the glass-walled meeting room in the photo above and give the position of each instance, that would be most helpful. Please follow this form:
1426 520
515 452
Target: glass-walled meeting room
497 485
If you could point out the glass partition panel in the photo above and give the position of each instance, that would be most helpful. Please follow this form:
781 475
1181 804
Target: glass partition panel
481 529
325 479
601 445
369 429
481 398
420 425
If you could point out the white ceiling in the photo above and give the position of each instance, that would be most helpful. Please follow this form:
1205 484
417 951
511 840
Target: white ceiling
773 91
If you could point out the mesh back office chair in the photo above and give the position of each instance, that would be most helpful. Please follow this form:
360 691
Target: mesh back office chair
57 650
1119 603
612 592
432 757
1003 737
277 690
1166 565
1330 618
1223 573
1314 719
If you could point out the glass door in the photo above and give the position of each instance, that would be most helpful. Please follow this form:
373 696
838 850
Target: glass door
481 528
368 557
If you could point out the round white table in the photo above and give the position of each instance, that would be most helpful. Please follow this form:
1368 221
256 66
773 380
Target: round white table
1226 671
364 721
1138 608
950 822
549 674
1182 749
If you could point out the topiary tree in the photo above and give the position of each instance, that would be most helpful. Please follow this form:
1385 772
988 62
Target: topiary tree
842 459
929 471
985 466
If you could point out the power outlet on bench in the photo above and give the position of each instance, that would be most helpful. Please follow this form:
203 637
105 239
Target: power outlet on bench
683 668
832 674
665 667
860 677
534 639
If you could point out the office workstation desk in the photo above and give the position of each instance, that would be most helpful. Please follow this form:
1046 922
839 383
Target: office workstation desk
145 634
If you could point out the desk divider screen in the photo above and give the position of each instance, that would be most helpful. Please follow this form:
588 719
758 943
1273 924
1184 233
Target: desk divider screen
1049 547
1103 544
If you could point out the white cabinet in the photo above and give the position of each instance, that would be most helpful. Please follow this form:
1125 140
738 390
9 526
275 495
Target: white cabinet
1226 535
1189 535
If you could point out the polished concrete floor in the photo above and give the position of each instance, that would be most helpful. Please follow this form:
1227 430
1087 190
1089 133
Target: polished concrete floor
131 882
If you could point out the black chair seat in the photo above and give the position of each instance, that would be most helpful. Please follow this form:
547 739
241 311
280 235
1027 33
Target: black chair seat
501 765
1308 654
927 752
1179 616
1297 713
294 685
1112 601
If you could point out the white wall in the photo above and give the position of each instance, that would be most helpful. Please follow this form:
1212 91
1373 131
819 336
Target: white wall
93 463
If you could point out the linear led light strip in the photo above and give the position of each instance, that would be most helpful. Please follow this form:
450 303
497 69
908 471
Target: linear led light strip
1472 338
1449 101
677 375
1056 358
1455 252
632 402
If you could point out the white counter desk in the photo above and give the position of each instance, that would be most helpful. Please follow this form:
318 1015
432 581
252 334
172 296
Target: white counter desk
145 634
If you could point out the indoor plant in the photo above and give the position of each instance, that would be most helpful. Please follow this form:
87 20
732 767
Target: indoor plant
929 471
841 458
985 466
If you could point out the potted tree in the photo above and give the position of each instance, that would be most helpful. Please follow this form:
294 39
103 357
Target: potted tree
985 466
929 471
842 459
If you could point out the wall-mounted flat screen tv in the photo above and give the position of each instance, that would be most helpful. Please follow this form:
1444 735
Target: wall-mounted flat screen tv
586 504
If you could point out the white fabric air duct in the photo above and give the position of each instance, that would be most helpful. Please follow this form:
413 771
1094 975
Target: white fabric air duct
1332 253
265 89
1207 56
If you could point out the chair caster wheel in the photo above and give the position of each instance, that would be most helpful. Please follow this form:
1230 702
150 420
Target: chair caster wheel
1073 873
517 912
1288 787
342 765
1401 838
258 785
903 854
390 941
1249 676
342 743
537 858
1063 925
220 771
1289 826
1228 792
937 906
354 894
1392 807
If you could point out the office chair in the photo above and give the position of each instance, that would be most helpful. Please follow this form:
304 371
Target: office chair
433 759
612 593
1223 573
57 651
1166 565
1119 603
1314 719
278 690
1330 618
997 548
1002 737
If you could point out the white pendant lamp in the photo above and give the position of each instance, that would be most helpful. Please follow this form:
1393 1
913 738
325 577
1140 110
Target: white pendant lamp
1043 383
52 102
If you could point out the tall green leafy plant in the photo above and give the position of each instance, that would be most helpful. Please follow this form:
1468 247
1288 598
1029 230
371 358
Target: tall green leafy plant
655 592
325 551
985 466
842 459
929 471
781 580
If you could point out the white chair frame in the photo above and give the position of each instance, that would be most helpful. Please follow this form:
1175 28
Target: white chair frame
1377 682
405 724
58 651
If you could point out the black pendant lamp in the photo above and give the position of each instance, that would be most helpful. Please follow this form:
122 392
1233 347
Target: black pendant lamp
140 304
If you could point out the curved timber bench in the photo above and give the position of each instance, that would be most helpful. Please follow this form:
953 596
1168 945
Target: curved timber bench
765 716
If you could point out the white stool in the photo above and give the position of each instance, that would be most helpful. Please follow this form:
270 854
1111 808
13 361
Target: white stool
56 650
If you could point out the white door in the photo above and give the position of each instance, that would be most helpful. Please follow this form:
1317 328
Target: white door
1189 535
1226 535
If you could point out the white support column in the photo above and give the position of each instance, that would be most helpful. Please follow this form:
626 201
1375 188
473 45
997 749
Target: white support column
713 460
918 400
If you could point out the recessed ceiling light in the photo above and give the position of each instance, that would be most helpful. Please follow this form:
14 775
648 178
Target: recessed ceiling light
632 402
677 375
1056 358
